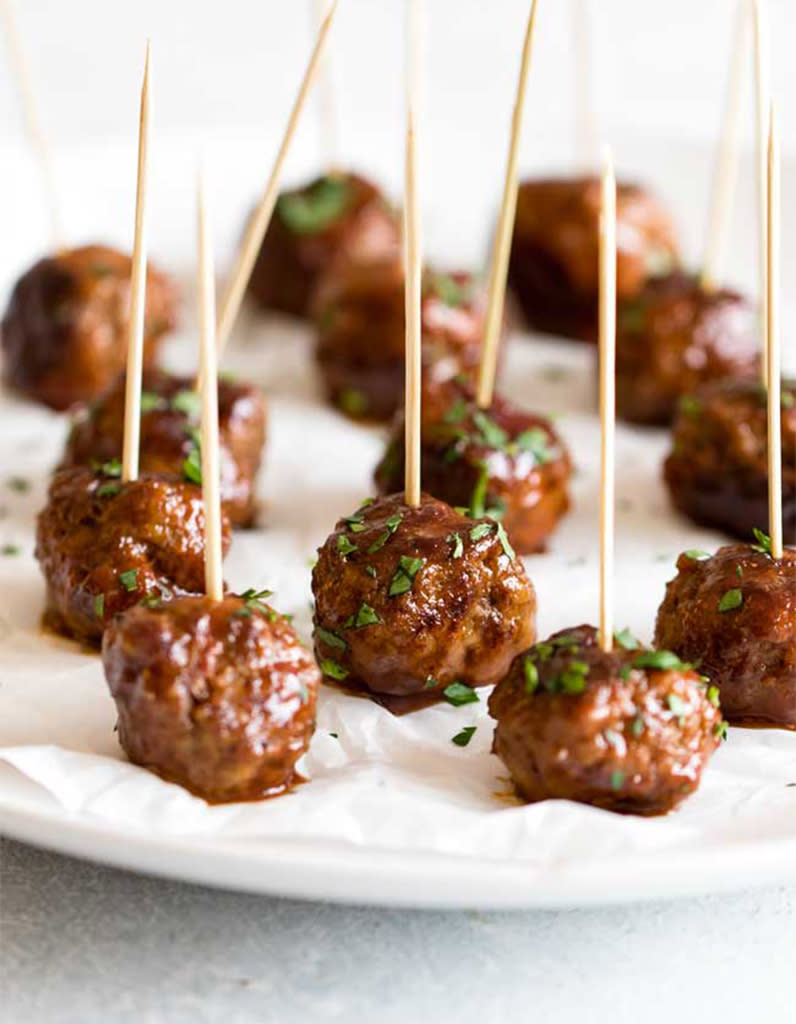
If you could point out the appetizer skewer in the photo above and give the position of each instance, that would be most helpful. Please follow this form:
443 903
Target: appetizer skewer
412 599
214 693
735 611
479 451
591 715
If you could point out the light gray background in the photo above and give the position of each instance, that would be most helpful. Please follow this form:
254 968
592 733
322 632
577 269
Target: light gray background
87 944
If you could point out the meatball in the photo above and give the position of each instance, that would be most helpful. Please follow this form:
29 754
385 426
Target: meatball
554 264
170 410
104 546
361 325
410 600
628 731
64 334
734 613
717 471
503 462
675 336
217 696
336 217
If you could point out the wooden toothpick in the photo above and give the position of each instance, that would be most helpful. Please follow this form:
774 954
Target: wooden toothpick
502 245
413 271
772 337
327 100
725 171
135 339
211 488
762 105
32 119
607 399
258 225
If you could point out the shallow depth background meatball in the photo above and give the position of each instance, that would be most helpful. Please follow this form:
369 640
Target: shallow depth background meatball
104 546
503 461
170 409
717 471
410 600
735 614
335 218
64 333
362 334
673 337
218 696
629 731
554 265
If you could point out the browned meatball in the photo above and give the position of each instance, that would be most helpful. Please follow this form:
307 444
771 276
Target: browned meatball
735 614
554 265
217 696
629 731
361 325
65 331
717 471
502 461
410 600
103 546
675 336
337 217
170 410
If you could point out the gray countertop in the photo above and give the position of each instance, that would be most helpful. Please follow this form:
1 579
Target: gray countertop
84 944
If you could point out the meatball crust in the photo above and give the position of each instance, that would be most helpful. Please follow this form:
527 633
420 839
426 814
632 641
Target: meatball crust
104 546
735 614
502 461
338 217
628 731
672 338
170 410
554 264
410 600
65 331
717 471
217 696
361 324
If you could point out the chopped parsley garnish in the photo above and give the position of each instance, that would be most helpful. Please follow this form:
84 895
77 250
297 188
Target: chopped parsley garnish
637 726
21 485
458 544
344 546
253 600
617 780
713 695
536 441
333 669
430 683
315 208
356 522
370 571
330 639
478 497
696 555
503 537
492 435
10 549
531 673
448 290
456 413
109 488
99 605
112 468
731 600
573 679
192 466
481 530
677 706
626 640
129 579
188 403
405 574
151 400
365 616
720 730
662 661
461 739
460 693
392 525
763 542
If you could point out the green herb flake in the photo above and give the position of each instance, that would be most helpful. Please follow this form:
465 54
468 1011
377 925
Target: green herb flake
696 555
713 695
456 413
492 435
720 730
481 530
344 546
637 726
192 466
677 706
109 489
460 693
458 545
573 679
536 442
253 601
150 401
188 403
99 605
448 290
370 571
430 683
313 209
111 468
531 673
405 574
626 640
392 525
366 616
478 497
617 780
461 739
10 549
503 537
763 542
731 600
129 579
333 669
330 639
661 661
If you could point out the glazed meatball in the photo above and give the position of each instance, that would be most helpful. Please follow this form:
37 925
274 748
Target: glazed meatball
672 338
501 461
554 264
735 614
338 217
630 730
103 546
410 600
717 471
65 331
361 326
170 410
217 696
